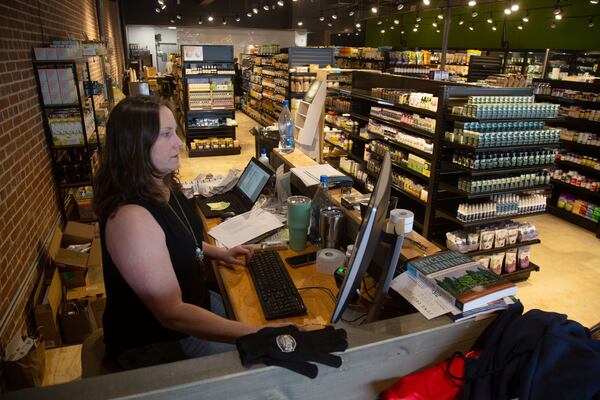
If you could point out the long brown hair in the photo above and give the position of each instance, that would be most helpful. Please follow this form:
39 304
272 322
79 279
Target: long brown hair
126 172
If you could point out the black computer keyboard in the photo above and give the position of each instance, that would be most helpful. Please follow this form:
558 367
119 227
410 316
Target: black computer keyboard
276 290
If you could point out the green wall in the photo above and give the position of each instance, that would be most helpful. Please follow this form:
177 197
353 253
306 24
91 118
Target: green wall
571 33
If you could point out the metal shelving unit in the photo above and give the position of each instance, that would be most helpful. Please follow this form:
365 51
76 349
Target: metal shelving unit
70 162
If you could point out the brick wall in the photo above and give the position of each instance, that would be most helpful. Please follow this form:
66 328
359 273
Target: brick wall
28 205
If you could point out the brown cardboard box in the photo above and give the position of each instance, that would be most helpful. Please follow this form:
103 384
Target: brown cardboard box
47 302
77 321
93 291
74 265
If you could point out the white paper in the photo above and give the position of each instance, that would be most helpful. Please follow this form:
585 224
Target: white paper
245 227
310 176
430 304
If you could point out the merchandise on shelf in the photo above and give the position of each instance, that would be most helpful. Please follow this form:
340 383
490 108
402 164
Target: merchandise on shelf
506 107
547 89
490 237
501 134
522 181
501 205
483 161
341 122
58 86
210 122
580 113
66 127
301 83
338 103
398 135
588 139
415 120
339 139
400 181
214 144
354 169
268 48
402 158
574 178
74 168
579 207
426 101
585 161
360 52
204 69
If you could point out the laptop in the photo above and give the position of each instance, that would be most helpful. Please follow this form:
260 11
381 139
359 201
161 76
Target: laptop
245 192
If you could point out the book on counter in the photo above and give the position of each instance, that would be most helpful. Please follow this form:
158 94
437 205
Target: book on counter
497 305
462 281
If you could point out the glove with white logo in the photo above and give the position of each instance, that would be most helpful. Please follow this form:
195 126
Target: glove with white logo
291 348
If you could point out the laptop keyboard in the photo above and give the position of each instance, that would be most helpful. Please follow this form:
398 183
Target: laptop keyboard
276 291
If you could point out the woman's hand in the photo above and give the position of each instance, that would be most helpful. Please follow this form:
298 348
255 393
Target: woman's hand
230 256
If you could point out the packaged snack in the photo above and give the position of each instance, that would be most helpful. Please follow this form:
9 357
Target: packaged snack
456 241
473 241
513 234
487 240
527 231
501 235
483 260
496 261
510 261
524 254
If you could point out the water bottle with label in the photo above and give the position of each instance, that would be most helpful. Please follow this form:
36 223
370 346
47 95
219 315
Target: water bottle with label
321 199
286 130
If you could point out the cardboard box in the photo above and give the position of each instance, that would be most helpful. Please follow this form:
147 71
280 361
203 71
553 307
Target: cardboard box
73 265
77 321
47 302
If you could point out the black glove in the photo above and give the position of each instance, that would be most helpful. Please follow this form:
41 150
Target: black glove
291 348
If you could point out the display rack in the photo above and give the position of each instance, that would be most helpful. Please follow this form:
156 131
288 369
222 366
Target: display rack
66 93
269 79
207 97
580 140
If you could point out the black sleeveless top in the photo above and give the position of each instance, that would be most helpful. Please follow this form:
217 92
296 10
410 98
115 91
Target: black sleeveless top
128 323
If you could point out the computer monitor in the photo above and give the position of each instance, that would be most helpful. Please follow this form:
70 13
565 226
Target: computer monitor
370 231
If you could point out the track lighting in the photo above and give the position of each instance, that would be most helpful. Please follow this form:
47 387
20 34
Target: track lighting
224 22
474 14
255 10
426 2
593 1
526 16
514 7
357 25
437 31
334 16
507 10
591 22
210 19
472 3
434 24
383 31
415 29
351 13
249 14
172 20
392 27
157 9
300 23
379 22
396 21
553 25
557 9
200 21
490 20
266 7
280 3
418 18
460 21
520 27
494 27
402 32
178 16
441 14
161 2
472 27
558 17
321 17
374 9
237 18
400 6
329 24
162 7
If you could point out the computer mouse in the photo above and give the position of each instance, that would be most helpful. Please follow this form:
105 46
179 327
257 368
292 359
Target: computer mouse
227 215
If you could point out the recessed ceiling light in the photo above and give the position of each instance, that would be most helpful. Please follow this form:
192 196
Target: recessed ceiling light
357 25
472 27
210 19
472 3
383 31
374 10
300 23
178 16
249 14
396 21
255 10
266 7
280 3
334 16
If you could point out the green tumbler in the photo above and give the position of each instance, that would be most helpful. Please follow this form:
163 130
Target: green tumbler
298 221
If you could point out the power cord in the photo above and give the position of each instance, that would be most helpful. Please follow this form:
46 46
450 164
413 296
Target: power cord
323 288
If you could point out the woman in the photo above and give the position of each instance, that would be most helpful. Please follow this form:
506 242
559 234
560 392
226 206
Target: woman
158 305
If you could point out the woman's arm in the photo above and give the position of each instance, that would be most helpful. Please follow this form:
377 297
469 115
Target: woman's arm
138 248
230 256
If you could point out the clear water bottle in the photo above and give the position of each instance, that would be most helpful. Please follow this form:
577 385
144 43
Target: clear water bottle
321 199
286 130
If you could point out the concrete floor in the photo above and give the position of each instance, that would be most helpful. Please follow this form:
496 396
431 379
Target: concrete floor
569 259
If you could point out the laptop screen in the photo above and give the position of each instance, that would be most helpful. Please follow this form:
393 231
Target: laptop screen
253 180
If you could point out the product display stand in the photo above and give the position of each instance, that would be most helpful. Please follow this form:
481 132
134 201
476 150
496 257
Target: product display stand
580 150
70 126
208 100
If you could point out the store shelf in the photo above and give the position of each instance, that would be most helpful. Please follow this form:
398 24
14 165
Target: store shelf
497 250
54 106
452 168
408 148
214 152
566 187
580 124
453 189
399 189
579 167
346 152
361 58
407 127
366 95
562 100
462 118
573 218
74 184
451 145
583 148
402 167
521 274
448 216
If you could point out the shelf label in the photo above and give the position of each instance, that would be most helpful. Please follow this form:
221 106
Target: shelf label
385 103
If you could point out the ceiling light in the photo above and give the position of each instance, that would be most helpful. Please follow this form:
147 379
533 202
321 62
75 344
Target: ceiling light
237 18
402 32
356 33
374 10
210 19
507 11
558 17
474 14
520 27
382 31
557 9
224 22
514 7
437 31
441 14
472 3
400 6
472 27
161 2
249 14
460 21
417 18
490 19
379 22
300 23
157 9
426 2
434 24
172 20
591 22
321 18
255 10
526 17
339 34
329 24
280 3
594 1
494 27
553 25
416 25
163 6
333 16
200 21
415 29
351 13
357 25
396 21
266 7
171 27
392 27
178 16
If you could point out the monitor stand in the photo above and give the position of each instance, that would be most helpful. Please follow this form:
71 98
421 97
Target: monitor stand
399 224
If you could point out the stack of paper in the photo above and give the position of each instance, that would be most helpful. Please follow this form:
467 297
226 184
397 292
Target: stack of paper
245 227
310 176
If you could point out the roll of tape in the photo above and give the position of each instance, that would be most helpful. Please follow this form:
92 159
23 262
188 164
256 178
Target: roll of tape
402 221
328 260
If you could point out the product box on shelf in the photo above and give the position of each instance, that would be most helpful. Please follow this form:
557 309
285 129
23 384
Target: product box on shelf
47 300
72 264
